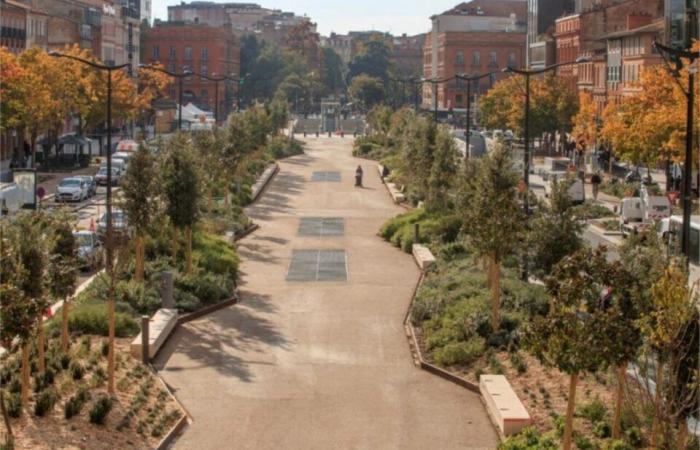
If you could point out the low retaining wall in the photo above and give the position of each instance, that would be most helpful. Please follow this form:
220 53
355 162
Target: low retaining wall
263 181
160 326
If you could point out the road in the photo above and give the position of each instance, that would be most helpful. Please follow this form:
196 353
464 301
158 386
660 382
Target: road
317 364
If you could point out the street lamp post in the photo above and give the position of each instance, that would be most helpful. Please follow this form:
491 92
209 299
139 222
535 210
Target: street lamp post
216 81
180 77
109 248
435 82
527 73
687 186
469 80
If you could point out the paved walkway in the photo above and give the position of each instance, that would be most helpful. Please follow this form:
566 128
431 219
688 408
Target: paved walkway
322 365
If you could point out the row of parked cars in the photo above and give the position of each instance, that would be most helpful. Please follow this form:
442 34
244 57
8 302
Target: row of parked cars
81 187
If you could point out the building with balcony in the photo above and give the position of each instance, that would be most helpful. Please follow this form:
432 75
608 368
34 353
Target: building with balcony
472 38
203 49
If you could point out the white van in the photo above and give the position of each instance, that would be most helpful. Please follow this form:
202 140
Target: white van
577 192
670 230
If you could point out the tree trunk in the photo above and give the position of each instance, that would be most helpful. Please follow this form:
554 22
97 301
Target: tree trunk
64 326
25 374
138 272
41 344
569 427
619 394
495 294
682 437
5 417
110 354
188 264
656 424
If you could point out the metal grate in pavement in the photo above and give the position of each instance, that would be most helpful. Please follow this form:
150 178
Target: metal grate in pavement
318 265
321 226
325 176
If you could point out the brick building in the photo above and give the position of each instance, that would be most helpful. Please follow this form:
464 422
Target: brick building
472 38
407 54
205 50
13 26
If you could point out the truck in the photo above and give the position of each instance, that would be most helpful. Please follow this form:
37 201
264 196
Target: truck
642 211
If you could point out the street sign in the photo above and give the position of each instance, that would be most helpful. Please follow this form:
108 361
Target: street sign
40 192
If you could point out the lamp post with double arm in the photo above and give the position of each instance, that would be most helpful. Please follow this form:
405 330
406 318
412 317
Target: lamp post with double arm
527 73
109 247
216 81
180 77
470 80
435 82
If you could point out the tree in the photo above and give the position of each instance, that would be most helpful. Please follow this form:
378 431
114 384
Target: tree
180 182
63 269
442 171
304 40
138 201
670 330
555 232
332 72
585 124
579 333
379 121
366 91
372 59
296 90
493 217
278 114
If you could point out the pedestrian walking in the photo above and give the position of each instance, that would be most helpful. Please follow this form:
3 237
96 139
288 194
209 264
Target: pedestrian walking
358 176
595 182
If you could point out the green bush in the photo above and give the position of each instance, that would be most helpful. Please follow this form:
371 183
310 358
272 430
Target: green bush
602 430
460 352
209 288
616 444
595 411
77 371
44 403
634 437
74 405
42 381
583 443
216 255
282 147
13 404
186 302
142 298
530 439
91 318
590 210
100 409
14 386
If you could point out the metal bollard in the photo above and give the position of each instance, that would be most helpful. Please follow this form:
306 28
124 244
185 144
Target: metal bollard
329 134
304 133
416 233
166 290
145 356
317 134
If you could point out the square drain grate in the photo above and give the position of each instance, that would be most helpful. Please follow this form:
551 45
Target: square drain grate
321 226
318 265
325 176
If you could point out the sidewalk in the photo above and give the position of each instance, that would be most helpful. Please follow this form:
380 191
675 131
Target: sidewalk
318 365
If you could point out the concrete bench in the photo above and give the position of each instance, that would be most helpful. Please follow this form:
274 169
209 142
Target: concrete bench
160 327
260 184
380 168
395 193
503 404
423 256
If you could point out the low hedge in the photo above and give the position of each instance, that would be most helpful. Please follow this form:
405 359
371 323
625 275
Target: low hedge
435 229
283 147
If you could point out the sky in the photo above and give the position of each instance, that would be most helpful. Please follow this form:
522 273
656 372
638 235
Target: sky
394 16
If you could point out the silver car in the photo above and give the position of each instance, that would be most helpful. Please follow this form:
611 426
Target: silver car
89 249
92 184
119 223
72 189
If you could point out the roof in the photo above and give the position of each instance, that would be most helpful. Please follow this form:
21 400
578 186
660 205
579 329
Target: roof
654 27
492 8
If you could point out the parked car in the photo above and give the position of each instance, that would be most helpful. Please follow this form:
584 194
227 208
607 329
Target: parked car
116 164
101 176
126 156
92 184
72 189
89 249
119 223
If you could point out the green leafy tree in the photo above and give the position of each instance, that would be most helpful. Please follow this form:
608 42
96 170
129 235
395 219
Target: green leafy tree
416 155
295 90
181 190
63 269
366 91
278 114
138 201
555 232
379 121
584 327
332 72
443 170
372 60
493 217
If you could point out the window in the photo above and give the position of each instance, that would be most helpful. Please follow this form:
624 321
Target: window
459 99
188 53
172 54
476 59
156 52
204 94
204 54
204 71
511 59
459 58
493 59
492 79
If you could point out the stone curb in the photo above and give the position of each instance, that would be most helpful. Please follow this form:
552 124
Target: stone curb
264 180
251 229
185 318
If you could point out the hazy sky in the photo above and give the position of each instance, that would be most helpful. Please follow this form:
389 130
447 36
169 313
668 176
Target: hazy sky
395 16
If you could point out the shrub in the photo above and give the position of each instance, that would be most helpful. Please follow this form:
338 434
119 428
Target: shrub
214 254
530 439
92 319
14 386
186 302
590 210
460 352
518 363
602 430
74 405
42 381
634 437
142 298
100 409
207 287
13 403
583 443
65 361
595 411
616 444
282 147
44 403
77 371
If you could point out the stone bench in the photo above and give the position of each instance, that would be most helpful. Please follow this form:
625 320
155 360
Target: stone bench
395 193
260 184
503 404
380 168
423 256
160 327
